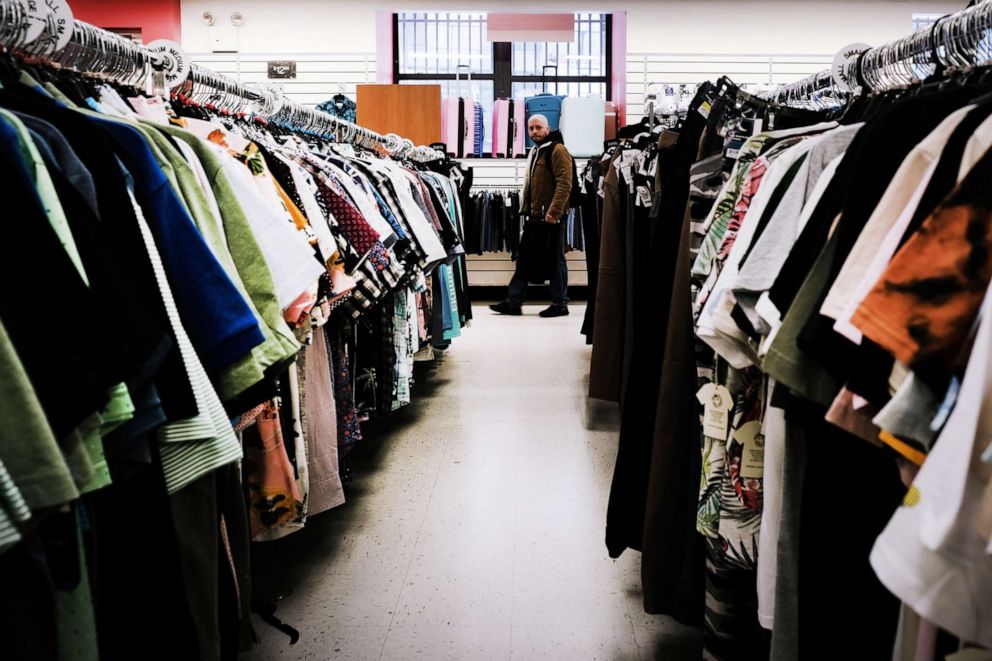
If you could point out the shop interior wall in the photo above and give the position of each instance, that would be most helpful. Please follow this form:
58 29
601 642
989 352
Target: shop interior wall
701 26
335 46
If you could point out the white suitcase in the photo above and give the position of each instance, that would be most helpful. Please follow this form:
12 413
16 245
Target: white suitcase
583 125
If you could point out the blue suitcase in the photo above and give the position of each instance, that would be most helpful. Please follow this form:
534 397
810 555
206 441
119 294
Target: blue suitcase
548 105
545 104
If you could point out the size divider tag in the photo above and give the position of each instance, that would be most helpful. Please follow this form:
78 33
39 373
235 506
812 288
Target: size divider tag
753 456
717 404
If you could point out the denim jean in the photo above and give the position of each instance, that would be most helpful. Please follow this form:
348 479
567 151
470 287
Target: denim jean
517 290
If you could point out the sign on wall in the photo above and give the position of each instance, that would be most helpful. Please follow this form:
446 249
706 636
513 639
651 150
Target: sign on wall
282 69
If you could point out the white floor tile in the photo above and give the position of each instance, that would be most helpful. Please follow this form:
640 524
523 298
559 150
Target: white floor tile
475 520
588 643
447 643
326 643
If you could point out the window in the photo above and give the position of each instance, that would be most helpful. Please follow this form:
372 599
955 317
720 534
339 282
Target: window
429 48
922 21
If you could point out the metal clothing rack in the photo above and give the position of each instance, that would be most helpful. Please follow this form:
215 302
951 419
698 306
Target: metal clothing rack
71 44
953 44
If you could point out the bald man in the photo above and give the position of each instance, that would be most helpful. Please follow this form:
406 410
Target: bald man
547 187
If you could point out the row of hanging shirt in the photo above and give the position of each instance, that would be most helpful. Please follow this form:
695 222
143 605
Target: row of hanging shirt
206 272
492 223
835 275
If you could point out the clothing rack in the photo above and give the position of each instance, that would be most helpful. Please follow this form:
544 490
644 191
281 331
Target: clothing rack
93 51
954 43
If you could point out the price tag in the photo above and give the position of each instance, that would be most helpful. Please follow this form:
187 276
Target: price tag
643 196
653 167
704 109
717 404
753 457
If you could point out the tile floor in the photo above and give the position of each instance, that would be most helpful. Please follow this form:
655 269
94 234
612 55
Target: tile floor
474 524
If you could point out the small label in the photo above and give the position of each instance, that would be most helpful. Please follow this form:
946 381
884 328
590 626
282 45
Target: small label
753 456
643 196
842 68
653 167
178 64
704 109
717 403
37 18
758 125
733 153
62 23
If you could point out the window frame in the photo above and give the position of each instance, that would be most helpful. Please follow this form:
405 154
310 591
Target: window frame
502 75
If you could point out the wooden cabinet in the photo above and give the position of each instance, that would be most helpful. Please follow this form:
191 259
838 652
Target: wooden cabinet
410 111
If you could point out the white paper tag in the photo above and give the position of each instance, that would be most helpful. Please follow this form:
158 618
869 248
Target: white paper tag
733 153
758 125
627 170
152 109
753 456
653 167
717 404
643 196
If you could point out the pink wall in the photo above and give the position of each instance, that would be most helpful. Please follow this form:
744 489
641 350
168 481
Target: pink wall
158 19
619 72
384 47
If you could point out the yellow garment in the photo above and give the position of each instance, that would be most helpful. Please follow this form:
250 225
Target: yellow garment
902 448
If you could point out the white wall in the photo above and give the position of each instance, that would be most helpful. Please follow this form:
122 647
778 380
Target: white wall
654 26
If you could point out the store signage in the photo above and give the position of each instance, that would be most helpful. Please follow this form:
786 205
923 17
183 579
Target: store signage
282 69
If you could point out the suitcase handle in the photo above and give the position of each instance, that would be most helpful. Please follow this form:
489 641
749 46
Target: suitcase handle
544 76
468 78
511 137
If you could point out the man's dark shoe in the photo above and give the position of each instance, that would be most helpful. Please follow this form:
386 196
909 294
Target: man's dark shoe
555 311
507 308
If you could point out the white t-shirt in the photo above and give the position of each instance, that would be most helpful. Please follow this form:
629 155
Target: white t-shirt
933 553
774 431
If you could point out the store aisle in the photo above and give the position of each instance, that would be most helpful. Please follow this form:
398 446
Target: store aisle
474 526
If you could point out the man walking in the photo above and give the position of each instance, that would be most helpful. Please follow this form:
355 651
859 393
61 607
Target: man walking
547 187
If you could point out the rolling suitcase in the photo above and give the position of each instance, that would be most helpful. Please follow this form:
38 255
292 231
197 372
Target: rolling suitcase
583 125
545 104
451 123
502 128
458 121
478 135
518 113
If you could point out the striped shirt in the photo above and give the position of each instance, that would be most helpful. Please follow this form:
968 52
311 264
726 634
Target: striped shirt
196 446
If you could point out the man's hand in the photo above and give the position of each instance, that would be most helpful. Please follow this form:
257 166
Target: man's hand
550 219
